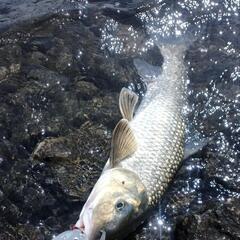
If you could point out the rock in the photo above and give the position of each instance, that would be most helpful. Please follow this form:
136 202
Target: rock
222 172
22 199
10 53
64 59
220 222
47 78
15 68
38 58
56 149
3 72
105 110
86 90
40 43
23 231
76 160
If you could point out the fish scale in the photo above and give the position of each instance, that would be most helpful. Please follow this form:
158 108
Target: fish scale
156 162
158 126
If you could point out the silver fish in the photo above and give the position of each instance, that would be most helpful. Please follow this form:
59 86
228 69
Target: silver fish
70 235
146 151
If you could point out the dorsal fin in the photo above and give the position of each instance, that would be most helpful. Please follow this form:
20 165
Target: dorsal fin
127 102
123 142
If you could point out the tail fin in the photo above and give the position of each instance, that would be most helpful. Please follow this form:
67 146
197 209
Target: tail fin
169 51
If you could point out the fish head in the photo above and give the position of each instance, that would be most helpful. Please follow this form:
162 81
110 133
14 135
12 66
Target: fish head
117 202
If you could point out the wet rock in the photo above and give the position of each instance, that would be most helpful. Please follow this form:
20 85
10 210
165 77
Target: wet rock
86 90
77 159
14 68
47 78
40 43
23 232
219 174
105 110
31 11
220 222
38 58
64 59
53 149
10 54
3 72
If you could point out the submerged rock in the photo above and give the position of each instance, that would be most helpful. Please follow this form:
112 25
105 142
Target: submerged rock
217 222
3 72
56 149
75 160
86 90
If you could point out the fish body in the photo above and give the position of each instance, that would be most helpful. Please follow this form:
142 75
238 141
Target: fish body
70 235
159 127
145 153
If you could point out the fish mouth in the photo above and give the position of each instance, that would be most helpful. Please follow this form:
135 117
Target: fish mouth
87 226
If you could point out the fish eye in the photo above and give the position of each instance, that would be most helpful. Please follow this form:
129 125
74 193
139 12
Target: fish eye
120 205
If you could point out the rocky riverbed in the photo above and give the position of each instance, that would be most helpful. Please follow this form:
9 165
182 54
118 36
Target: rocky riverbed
60 77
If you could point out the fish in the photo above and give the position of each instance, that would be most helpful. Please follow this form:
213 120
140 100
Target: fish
147 148
74 234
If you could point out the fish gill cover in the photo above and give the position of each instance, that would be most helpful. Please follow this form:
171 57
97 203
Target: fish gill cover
61 69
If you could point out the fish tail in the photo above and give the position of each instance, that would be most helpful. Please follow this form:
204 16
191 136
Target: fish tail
168 78
170 51
175 45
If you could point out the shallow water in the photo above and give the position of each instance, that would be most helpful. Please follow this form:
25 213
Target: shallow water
61 68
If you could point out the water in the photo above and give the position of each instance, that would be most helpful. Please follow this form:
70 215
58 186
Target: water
61 69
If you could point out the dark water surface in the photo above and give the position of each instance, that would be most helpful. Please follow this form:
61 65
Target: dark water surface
62 65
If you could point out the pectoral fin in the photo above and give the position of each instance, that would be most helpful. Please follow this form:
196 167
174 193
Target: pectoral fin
127 103
123 143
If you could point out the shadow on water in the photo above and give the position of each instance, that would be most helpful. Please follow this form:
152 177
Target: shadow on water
61 69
